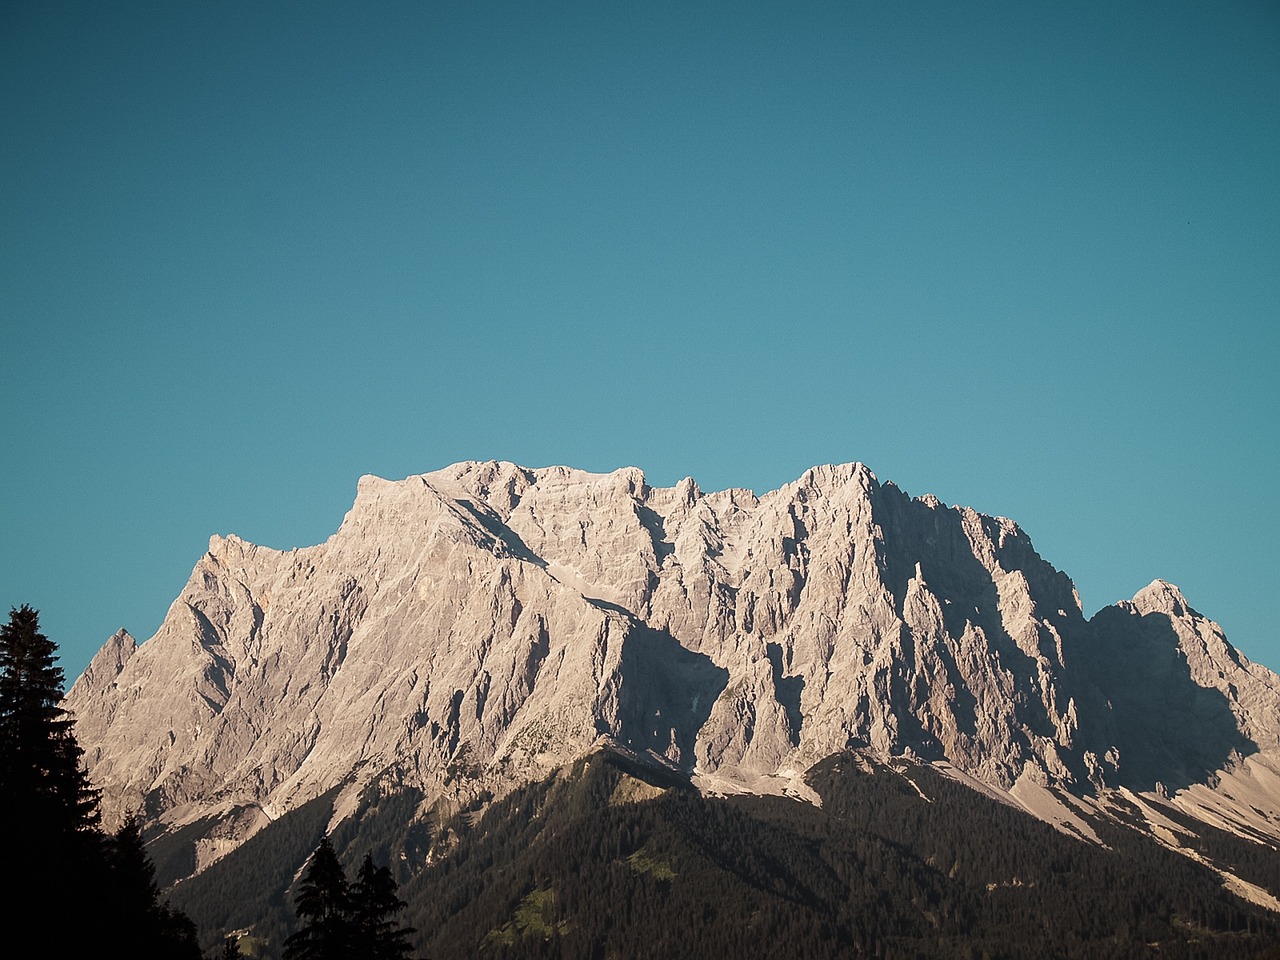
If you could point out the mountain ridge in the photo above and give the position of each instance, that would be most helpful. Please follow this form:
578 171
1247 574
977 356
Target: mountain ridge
467 630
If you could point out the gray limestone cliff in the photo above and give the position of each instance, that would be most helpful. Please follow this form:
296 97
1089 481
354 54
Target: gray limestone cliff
470 629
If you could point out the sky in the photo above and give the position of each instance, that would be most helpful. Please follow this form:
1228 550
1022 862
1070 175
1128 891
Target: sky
1022 256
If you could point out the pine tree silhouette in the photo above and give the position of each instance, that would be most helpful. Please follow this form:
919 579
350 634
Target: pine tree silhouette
41 780
374 906
76 889
324 906
146 927
47 805
347 921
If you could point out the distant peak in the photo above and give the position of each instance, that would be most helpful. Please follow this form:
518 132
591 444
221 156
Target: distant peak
688 490
108 661
1161 596
831 478
850 470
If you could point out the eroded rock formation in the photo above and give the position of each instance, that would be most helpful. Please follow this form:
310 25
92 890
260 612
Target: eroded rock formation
469 629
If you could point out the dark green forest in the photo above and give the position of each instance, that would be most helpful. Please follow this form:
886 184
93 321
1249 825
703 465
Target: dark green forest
611 859
571 868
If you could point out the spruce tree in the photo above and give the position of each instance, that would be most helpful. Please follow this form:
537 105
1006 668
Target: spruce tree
145 925
53 845
374 906
323 905
75 888
41 781
134 890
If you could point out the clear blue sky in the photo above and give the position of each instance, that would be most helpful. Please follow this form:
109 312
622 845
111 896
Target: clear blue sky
1023 256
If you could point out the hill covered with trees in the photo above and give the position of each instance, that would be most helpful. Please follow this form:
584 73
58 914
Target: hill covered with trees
613 859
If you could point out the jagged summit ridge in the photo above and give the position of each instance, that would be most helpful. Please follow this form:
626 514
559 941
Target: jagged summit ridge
468 629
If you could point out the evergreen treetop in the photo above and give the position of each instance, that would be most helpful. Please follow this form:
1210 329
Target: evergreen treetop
375 904
323 905
41 780
347 921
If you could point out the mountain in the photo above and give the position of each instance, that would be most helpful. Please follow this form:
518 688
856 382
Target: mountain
469 632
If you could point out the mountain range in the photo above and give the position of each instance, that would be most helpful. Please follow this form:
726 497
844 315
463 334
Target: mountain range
471 632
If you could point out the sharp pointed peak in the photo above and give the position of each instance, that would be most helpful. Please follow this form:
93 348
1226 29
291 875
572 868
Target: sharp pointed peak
1161 596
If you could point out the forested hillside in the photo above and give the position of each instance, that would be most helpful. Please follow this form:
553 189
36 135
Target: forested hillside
614 860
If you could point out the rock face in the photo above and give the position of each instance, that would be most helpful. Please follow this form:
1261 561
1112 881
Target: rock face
469 629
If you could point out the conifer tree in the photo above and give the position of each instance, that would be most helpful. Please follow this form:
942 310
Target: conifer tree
50 812
134 890
374 906
323 905
150 927
41 780
78 889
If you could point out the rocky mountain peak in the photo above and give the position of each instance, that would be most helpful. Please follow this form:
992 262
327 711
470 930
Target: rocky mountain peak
1161 596
110 659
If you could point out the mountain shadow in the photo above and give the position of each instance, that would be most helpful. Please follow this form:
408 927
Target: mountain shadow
487 518
250 888
1169 731
1140 712
666 693
788 690
932 541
